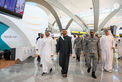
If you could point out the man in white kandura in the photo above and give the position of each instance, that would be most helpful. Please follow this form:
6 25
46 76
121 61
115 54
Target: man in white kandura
73 46
39 47
46 57
119 46
107 46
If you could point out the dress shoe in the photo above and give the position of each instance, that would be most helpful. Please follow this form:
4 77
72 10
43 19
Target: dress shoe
88 70
64 75
93 75
44 73
51 70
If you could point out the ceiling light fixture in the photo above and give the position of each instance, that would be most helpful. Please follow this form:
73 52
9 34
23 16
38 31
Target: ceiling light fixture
116 5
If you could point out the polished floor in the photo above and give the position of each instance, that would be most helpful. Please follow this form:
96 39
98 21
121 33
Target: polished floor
6 63
29 71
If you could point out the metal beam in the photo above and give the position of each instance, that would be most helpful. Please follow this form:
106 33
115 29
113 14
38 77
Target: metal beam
69 23
71 20
82 21
57 4
96 13
112 14
51 9
54 23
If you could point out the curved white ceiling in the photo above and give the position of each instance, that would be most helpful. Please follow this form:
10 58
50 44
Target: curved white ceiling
83 8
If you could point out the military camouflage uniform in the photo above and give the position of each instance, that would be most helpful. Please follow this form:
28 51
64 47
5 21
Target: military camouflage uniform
78 47
93 50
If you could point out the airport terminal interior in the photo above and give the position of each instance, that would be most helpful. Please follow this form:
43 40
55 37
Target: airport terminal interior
60 40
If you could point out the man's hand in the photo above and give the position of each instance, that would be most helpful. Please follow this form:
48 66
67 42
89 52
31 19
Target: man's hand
36 55
99 55
70 54
99 58
56 53
84 53
113 48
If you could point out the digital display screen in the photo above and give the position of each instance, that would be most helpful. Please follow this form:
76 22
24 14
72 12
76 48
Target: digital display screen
2 2
10 5
13 7
20 6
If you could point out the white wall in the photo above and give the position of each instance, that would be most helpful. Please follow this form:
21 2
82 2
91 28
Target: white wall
13 39
34 20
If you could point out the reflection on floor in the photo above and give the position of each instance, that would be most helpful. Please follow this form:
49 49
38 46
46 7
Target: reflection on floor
6 63
30 72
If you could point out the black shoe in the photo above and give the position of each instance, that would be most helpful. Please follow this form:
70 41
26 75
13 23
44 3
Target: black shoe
44 73
93 75
64 75
78 58
88 70
119 58
51 70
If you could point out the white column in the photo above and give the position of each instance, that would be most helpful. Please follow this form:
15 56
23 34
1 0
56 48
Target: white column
57 4
96 13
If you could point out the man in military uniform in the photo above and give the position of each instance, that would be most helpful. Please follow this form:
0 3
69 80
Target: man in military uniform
85 50
78 47
94 51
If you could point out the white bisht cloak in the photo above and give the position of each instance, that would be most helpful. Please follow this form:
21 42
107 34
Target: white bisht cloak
47 51
107 42
73 47
39 46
